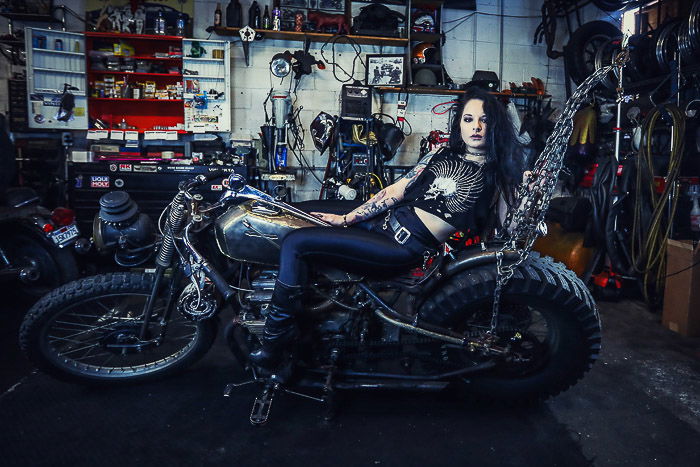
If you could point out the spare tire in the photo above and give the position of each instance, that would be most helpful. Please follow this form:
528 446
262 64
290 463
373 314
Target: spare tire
580 52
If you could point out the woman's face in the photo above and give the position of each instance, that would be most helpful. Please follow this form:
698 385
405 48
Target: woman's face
473 126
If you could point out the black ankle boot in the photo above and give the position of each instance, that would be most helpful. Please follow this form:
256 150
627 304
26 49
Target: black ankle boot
280 326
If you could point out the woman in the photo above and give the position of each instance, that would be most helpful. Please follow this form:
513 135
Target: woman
447 191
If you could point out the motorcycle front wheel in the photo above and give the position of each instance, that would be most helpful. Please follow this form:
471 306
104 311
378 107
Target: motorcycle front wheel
88 331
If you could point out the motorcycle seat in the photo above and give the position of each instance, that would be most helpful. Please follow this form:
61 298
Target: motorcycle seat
20 196
332 206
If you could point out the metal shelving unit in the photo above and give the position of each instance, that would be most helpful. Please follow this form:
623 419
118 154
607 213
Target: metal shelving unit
49 69
206 110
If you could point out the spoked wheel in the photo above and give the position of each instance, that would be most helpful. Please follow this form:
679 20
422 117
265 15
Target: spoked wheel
548 320
580 52
90 331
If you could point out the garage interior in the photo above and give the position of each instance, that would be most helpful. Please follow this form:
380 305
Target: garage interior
322 104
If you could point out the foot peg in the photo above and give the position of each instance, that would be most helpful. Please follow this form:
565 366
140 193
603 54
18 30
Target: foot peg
262 406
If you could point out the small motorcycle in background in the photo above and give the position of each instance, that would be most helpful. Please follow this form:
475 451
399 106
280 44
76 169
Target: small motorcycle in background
36 245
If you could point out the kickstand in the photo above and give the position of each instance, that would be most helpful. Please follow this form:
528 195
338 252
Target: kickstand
262 405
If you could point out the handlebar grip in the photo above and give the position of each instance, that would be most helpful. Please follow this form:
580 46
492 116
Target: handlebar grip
215 175
201 179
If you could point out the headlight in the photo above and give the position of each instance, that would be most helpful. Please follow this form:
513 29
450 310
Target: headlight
280 65
119 225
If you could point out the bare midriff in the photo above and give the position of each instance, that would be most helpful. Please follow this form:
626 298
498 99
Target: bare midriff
440 229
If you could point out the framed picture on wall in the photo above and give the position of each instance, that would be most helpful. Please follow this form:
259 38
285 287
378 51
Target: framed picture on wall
385 70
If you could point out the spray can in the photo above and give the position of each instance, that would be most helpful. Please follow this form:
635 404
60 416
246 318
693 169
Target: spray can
694 193
281 157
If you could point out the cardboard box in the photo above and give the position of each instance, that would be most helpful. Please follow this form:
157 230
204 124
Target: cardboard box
682 293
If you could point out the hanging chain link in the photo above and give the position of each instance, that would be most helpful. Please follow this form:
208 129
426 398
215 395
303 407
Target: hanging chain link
524 222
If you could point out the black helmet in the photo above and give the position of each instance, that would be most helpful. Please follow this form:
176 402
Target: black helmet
322 130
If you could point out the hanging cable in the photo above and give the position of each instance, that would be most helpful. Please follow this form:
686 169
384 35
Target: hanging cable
296 143
356 47
650 231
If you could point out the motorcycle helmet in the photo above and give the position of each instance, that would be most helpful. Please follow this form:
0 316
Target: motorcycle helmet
322 130
424 52
423 23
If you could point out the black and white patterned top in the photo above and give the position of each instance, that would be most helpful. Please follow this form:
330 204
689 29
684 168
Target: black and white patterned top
450 188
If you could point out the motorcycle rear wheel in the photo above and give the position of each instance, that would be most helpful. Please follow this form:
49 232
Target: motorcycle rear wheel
87 331
54 266
559 320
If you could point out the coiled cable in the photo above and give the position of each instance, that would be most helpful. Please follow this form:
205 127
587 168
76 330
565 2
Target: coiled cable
650 230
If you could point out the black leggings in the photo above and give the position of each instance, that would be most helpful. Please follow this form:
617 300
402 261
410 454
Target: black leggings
364 248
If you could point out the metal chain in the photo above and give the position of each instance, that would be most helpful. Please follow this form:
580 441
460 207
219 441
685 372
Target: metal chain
524 222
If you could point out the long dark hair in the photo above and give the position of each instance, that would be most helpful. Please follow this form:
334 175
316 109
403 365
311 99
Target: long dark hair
504 150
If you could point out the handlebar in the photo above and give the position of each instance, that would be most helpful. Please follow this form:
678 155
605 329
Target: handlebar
200 180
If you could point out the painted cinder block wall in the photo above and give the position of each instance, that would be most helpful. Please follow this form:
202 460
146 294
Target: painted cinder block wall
472 44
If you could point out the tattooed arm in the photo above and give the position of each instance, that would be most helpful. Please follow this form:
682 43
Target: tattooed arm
380 202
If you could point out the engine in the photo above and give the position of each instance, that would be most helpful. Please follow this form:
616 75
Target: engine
326 317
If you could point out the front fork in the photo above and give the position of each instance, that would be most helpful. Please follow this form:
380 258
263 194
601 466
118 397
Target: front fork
148 309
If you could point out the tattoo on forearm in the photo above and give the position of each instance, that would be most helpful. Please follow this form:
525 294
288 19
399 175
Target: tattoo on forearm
413 174
378 203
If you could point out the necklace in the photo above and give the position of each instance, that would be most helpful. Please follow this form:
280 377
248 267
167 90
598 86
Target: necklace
473 156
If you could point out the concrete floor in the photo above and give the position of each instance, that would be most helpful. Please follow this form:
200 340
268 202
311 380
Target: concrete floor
638 406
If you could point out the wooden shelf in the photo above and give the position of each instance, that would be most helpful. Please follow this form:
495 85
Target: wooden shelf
147 37
318 37
451 92
420 90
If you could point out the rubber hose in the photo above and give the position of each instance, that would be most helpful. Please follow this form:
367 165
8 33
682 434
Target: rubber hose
648 245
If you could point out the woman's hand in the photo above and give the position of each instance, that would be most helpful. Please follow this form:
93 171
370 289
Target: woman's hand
332 219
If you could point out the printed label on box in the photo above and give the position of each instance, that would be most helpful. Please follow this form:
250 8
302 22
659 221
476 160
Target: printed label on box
97 134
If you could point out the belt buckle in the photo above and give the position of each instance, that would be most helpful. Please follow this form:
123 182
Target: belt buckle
402 235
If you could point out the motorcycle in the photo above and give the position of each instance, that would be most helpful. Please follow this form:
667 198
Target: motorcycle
495 319
36 244
422 329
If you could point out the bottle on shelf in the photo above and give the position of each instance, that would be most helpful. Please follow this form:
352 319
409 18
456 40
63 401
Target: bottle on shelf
234 14
160 23
254 15
180 25
217 16
276 19
266 22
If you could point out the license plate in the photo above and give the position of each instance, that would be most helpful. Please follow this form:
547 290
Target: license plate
64 235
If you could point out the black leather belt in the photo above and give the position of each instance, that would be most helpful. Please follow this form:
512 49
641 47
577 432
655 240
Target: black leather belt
401 233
